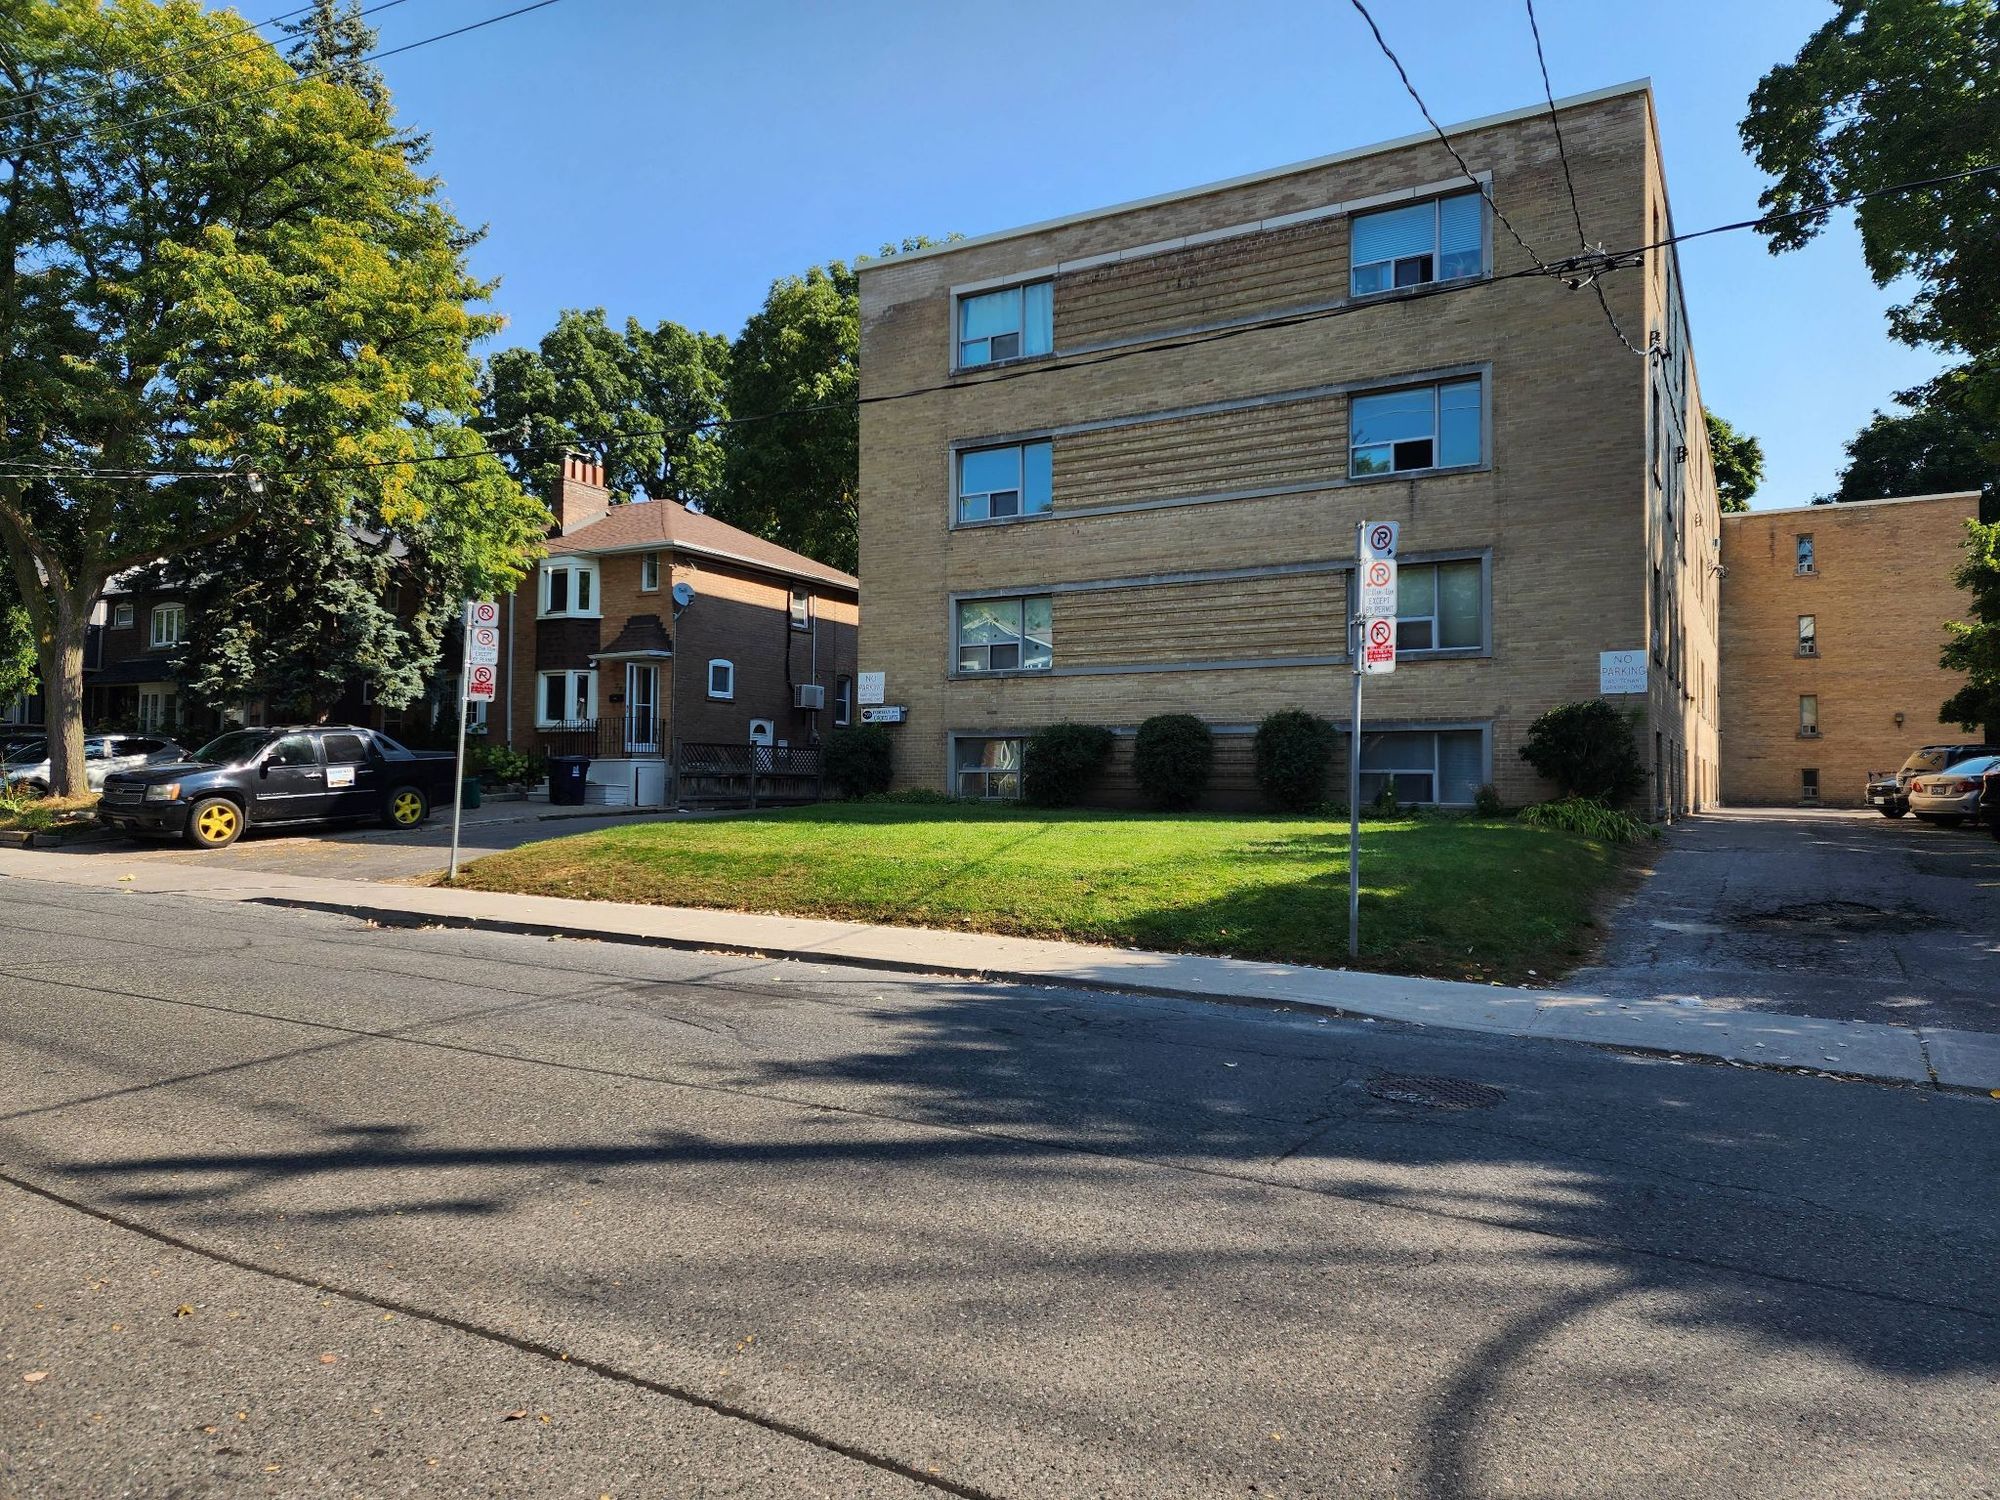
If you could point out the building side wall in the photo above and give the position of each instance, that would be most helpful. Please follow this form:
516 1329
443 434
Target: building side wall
745 617
1880 594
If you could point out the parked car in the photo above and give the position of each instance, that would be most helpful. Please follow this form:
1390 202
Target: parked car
1989 801
102 754
312 773
1889 791
1953 794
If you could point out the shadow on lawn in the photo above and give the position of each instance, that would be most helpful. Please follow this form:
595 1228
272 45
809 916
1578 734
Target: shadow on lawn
1685 1198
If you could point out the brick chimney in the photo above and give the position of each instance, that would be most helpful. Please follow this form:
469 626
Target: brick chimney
581 497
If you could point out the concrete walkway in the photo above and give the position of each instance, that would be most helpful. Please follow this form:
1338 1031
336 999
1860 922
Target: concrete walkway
1848 1048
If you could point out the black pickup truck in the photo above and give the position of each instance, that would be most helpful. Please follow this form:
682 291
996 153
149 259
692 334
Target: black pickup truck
317 773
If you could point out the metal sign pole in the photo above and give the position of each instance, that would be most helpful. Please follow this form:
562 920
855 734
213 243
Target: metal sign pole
458 765
1354 648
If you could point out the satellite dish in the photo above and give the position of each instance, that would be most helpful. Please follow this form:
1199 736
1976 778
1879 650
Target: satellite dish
683 596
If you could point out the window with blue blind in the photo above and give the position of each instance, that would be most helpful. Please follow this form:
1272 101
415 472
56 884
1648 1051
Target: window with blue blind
1441 239
1417 427
1004 484
1012 323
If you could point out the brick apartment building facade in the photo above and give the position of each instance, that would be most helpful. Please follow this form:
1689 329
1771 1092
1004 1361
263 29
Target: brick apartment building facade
1136 490
600 658
1832 620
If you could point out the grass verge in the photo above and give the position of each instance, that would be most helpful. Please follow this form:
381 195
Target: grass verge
21 813
1461 898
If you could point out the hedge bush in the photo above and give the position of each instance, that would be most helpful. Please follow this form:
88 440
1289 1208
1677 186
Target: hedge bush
1586 815
1294 749
1588 750
859 761
1172 760
1062 762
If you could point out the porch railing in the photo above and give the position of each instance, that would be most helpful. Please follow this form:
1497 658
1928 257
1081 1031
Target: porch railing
612 737
710 775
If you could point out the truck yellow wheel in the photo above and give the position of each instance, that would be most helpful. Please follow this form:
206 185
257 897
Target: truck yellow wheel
407 807
214 824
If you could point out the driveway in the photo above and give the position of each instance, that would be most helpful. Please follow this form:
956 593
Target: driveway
1823 913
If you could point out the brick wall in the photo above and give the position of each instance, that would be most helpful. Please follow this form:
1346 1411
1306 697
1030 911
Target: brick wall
1880 594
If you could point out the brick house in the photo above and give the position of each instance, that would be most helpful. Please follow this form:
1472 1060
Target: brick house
128 675
1153 508
602 657
1832 620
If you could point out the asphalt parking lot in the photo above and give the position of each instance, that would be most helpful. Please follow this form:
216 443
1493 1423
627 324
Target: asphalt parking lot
1822 912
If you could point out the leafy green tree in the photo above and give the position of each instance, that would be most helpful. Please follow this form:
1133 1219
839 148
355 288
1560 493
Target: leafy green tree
229 271
1739 463
17 645
1944 440
647 402
1974 648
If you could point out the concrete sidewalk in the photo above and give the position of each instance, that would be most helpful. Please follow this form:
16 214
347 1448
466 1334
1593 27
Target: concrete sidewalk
1857 1049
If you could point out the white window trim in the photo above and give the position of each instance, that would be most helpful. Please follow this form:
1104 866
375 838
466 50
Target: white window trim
958 603
1808 635
573 567
1809 731
1436 387
961 295
570 679
1808 565
843 700
649 562
728 695
123 616
1437 252
163 612
801 619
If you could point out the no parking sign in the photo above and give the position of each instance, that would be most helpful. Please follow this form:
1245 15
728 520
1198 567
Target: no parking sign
1378 646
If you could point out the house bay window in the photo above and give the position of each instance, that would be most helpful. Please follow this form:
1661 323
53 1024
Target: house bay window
569 588
1012 323
566 698
988 769
1423 766
169 626
1440 606
1438 240
1006 635
1003 484
1413 429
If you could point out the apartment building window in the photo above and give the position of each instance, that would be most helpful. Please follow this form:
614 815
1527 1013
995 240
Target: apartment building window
567 698
1440 240
1006 635
843 700
802 609
169 625
1808 716
1424 766
722 679
988 769
1419 427
121 616
1809 784
1012 323
1803 550
649 572
1003 484
1808 636
569 588
1440 606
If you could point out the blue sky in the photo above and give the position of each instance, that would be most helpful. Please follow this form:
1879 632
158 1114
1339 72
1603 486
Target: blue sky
668 160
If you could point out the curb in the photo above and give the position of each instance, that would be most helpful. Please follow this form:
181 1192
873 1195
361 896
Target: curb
398 917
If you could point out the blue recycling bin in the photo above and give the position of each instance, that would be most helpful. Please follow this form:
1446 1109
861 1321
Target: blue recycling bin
566 776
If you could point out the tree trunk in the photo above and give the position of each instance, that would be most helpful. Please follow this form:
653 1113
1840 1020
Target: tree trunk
62 681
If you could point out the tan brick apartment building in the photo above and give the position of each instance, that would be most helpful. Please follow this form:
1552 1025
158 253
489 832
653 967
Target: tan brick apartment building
1125 489
1832 620
600 658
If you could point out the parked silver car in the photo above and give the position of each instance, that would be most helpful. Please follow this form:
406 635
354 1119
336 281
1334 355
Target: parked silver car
1952 795
102 754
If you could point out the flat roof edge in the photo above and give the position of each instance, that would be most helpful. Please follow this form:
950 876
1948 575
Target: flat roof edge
1841 505
1267 174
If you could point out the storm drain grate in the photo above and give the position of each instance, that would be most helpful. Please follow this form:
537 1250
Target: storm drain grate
1436 1093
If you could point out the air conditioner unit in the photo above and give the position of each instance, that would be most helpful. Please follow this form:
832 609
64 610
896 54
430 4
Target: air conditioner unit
808 695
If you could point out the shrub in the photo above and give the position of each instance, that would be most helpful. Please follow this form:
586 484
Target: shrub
1486 801
1172 759
859 761
1294 749
1587 750
1385 801
1587 815
506 766
1062 761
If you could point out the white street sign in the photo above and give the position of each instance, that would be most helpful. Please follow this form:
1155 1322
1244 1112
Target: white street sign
1621 671
1378 588
481 612
482 646
1378 645
1378 539
479 684
871 686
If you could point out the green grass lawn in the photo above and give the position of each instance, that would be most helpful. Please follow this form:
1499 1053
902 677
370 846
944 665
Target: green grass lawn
19 811
1457 897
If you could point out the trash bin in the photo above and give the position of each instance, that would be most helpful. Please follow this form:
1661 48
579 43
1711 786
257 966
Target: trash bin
468 792
566 773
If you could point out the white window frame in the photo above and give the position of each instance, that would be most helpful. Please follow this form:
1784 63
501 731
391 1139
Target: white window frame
843 700
584 678
985 776
649 572
1021 512
802 608
1808 722
1805 555
1436 254
576 570
1809 794
167 639
159 708
1021 602
475 715
728 693
1436 389
123 616
1808 635
960 343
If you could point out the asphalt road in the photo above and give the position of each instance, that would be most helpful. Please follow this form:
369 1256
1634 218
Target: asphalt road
295 1206
1824 913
